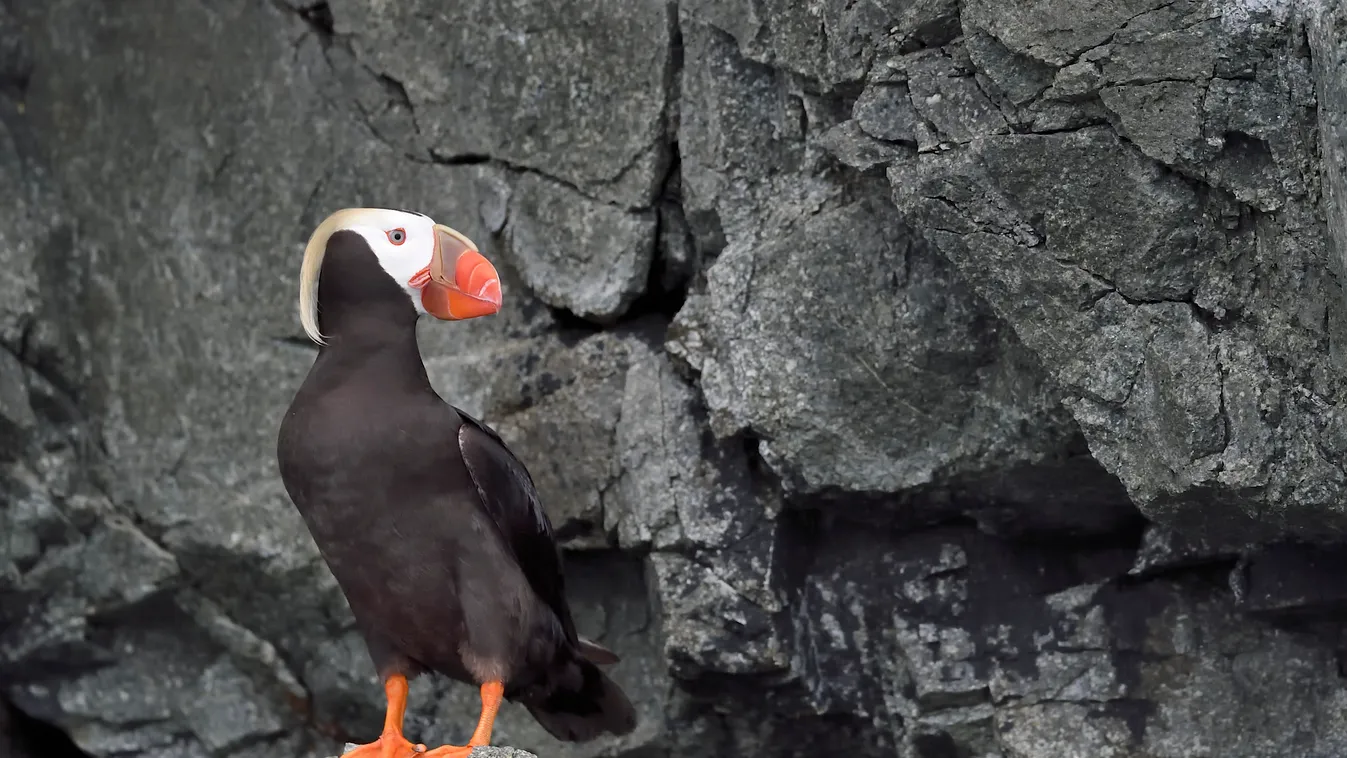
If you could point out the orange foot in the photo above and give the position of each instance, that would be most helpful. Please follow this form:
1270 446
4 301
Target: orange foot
448 751
389 745
491 695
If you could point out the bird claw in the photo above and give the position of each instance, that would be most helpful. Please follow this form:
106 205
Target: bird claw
447 751
387 746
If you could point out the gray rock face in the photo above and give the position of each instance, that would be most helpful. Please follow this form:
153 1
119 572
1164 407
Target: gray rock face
990 649
1160 251
588 257
576 101
923 379
577 91
824 319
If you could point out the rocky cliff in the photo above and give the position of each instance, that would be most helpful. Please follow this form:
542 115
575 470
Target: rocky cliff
906 377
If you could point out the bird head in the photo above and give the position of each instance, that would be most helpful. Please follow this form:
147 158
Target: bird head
439 268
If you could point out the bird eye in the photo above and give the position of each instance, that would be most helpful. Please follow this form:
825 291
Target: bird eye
397 236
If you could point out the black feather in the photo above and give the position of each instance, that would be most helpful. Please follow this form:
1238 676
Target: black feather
509 496
584 704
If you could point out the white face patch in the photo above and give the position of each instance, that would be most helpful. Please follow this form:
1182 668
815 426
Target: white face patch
403 243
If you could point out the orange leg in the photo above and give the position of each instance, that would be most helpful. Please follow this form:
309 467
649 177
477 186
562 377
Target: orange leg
491 695
391 744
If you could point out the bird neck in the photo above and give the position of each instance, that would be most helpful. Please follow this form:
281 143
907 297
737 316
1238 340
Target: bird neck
367 318
363 339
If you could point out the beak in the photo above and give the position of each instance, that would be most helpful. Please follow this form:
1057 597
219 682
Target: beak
462 284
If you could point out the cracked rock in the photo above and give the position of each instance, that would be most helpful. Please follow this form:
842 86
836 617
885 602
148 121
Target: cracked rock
1037 28
570 405
17 420
226 709
828 42
1161 118
1066 672
870 493
710 625
850 144
119 567
884 111
34 232
590 258
575 89
948 97
1328 43
677 488
784 336
1075 81
1171 388
1163 550
779 342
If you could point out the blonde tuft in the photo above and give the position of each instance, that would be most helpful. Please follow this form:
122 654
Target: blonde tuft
313 264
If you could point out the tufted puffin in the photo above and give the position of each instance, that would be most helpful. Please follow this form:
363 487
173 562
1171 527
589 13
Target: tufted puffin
430 525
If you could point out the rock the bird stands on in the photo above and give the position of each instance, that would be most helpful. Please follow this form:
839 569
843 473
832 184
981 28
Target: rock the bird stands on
431 526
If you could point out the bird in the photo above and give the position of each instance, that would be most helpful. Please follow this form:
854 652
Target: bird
431 526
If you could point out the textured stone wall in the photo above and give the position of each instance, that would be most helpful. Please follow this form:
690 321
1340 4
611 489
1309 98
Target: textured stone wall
905 377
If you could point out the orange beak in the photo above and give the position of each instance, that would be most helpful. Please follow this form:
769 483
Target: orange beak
459 283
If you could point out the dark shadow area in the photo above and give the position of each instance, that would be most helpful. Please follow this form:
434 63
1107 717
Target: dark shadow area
25 737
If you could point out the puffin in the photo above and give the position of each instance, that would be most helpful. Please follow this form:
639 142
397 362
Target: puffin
431 526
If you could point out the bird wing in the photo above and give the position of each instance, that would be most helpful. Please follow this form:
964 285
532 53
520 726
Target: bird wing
508 495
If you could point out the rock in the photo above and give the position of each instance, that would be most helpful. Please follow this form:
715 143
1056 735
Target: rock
1164 550
590 258
228 710
851 145
676 489
712 622
1328 52
17 420
1019 77
909 379
578 91
569 404
15 55
885 111
1000 672
1178 355
782 338
1037 30
33 228
1290 582
766 333
831 43
32 522
948 97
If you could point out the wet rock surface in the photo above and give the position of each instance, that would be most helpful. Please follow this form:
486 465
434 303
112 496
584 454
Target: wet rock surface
923 379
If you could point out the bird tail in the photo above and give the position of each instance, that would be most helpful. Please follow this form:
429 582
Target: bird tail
585 703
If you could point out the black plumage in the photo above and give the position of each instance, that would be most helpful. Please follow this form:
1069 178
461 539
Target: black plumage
431 526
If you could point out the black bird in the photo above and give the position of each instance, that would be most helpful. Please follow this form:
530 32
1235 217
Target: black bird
431 526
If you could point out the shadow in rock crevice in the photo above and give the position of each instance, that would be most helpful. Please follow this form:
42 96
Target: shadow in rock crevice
22 736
